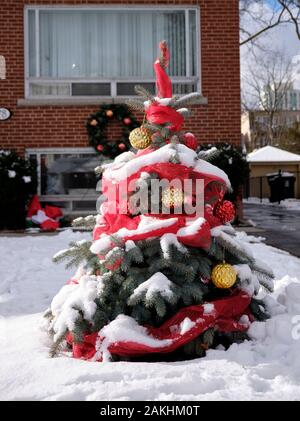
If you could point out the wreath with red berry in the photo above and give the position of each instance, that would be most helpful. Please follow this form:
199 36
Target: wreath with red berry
97 123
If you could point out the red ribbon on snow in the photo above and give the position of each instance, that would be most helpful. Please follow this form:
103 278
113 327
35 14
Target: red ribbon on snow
224 317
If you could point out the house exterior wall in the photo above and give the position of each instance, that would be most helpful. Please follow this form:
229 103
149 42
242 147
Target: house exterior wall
63 125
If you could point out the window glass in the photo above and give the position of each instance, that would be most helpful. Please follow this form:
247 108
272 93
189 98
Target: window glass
105 52
68 174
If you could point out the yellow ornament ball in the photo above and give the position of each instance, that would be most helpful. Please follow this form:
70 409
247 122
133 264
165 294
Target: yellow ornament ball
109 113
140 138
172 197
223 276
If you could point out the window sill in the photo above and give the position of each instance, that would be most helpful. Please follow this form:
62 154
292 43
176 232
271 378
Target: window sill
30 102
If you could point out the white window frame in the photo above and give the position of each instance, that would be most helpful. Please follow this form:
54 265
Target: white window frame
37 8
38 152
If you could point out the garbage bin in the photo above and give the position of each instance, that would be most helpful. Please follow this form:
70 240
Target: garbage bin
282 186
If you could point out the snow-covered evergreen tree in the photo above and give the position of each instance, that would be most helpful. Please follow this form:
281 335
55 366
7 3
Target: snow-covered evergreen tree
160 284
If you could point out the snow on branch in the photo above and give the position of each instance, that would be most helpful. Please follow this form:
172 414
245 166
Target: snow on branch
72 301
169 240
124 328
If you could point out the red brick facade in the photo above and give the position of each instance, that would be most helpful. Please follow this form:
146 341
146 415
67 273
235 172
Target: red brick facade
64 126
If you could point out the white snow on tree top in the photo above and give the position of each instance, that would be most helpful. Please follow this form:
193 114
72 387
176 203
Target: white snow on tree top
119 171
158 283
272 154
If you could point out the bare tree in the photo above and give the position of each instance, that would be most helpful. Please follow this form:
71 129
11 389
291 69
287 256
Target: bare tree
265 19
265 87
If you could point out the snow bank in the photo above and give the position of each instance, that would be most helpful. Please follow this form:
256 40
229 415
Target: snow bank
288 204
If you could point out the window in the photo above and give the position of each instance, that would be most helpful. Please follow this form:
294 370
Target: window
75 51
66 177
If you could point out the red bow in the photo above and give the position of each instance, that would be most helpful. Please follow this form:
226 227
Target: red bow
162 114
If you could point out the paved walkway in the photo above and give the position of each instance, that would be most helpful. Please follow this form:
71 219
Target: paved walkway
280 227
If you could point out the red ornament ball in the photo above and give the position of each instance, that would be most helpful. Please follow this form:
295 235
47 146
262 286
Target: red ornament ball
122 146
100 148
127 121
190 141
225 211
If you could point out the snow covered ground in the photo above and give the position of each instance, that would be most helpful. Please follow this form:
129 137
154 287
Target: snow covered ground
289 204
266 368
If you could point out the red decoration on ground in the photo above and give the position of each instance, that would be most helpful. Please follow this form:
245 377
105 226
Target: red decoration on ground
47 218
49 225
34 206
225 211
190 141
53 212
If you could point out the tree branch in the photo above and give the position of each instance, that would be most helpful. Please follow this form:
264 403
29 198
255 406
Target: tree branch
285 15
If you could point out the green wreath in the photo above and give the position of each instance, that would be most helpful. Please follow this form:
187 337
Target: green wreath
96 125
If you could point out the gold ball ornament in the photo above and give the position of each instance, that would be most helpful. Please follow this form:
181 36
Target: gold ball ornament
109 113
223 276
172 197
140 138
94 122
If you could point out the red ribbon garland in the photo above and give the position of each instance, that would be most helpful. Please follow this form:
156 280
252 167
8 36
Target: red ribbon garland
224 317
162 114
163 82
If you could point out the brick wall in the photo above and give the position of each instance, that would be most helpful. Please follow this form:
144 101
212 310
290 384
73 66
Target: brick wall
56 126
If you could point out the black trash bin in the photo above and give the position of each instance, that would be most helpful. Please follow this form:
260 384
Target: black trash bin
282 186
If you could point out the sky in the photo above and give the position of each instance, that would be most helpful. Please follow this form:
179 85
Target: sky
282 38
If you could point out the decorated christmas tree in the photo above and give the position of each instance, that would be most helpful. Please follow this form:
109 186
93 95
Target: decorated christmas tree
165 276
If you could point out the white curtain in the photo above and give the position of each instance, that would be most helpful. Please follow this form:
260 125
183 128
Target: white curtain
109 44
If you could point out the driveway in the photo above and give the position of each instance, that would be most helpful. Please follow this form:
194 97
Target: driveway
280 227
